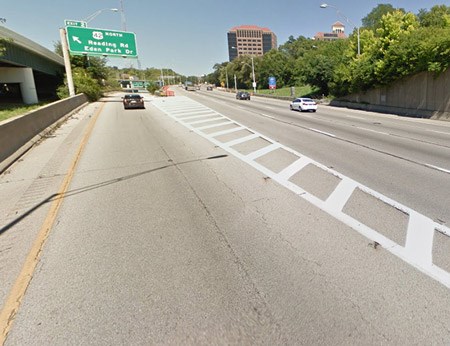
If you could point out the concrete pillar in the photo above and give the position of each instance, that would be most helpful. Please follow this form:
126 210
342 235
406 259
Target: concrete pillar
27 86
23 76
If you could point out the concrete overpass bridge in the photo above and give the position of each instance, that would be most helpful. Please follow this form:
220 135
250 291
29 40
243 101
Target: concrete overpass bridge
28 71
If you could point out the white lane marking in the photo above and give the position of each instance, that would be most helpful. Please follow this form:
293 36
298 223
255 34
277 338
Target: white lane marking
366 129
267 116
197 116
188 110
240 140
438 168
226 122
225 132
322 132
293 168
441 132
264 151
190 113
341 194
216 117
417 251
355 117
419 241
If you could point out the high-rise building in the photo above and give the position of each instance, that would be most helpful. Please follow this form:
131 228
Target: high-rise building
337 32
250 40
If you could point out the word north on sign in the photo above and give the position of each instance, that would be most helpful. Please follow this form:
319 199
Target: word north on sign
101 42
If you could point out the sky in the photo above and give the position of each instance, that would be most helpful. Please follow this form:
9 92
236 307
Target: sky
189 36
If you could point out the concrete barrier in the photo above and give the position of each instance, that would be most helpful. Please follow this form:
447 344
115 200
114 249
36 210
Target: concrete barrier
424 95
19 134
408 112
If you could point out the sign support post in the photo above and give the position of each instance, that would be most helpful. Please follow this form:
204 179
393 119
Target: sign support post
65 50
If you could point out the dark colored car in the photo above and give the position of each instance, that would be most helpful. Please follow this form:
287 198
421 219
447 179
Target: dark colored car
242 95
133 101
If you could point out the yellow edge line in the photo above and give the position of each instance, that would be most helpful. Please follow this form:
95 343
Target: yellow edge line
12 304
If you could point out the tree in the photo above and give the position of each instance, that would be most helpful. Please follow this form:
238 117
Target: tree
394 28
295 49
83 83
318 65
294 52
400 47
438 16
96 66
373 19
2 47
241 71
274 64
218 76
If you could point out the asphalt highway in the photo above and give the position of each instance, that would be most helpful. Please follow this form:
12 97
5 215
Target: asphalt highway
199 220
405 158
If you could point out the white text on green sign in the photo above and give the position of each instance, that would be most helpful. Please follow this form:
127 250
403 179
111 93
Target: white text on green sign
89 41
69 22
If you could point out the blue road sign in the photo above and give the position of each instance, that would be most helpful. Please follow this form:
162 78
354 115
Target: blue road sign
272 83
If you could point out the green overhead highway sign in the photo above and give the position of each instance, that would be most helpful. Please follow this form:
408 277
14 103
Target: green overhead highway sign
89 41
80 23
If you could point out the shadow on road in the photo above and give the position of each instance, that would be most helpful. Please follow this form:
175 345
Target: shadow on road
74 192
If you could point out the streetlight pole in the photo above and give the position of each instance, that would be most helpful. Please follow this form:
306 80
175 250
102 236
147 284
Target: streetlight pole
226 74
253 74
95 14
122 16
347 20
91 17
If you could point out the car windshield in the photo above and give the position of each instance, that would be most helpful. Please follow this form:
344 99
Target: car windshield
307 100
134 96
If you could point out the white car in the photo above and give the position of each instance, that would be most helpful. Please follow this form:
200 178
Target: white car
303 104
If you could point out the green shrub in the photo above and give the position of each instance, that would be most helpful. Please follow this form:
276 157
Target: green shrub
83 83
152 88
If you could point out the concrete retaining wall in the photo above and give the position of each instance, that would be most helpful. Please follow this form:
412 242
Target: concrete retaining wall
423 95
19 134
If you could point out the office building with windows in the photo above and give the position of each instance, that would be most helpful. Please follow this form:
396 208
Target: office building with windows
337 32
250 40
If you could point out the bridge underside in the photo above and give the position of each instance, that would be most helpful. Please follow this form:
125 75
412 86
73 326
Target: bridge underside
23 84
28 71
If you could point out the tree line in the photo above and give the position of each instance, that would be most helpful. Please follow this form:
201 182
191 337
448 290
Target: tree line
393 44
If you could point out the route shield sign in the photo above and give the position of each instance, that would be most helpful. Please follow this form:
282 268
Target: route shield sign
272 83
90 41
